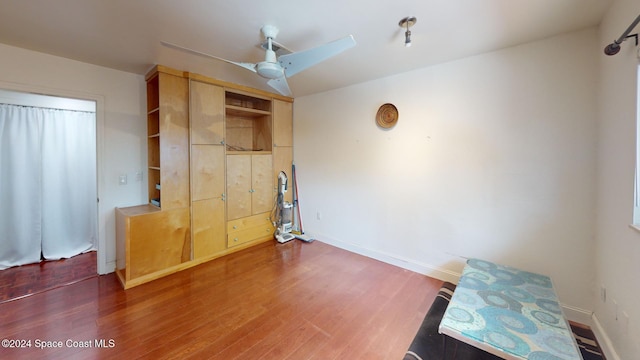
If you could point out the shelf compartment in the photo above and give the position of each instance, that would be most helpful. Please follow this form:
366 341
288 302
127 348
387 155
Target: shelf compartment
153 93
246 112
241 101
153 151
154 183
248 123
153 123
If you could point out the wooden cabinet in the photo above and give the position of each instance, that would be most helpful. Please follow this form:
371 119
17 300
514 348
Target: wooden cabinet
207 169
238 186
151 242
207 222
249 185
248 229
283 143
250 190
168 140
282 161
262 196
214 152
207 113
248 122
282 123
155 239
207 199
207 172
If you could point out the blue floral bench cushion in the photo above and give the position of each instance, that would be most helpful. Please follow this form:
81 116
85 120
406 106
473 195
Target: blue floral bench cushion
508 312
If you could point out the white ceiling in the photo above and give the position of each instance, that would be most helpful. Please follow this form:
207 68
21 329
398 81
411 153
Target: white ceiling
126 34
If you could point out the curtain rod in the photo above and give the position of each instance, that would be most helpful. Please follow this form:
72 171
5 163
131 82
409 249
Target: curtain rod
614 47
46 107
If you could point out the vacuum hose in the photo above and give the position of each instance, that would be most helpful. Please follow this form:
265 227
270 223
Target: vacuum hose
282 182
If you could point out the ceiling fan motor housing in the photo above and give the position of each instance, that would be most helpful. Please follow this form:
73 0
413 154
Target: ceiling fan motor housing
270 68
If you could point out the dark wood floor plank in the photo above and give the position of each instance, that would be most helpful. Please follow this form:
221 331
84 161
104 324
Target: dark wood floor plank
271 301
20 281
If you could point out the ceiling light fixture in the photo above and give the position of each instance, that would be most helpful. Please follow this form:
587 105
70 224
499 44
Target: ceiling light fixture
407 22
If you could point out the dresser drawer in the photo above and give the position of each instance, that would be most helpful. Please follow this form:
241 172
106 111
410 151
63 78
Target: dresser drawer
248 222
246 235
249 228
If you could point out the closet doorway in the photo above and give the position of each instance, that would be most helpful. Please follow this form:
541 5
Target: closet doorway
48 178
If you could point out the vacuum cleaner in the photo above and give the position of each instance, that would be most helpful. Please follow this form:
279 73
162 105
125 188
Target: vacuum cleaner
283 212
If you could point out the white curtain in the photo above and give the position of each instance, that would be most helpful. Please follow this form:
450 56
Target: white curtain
47 184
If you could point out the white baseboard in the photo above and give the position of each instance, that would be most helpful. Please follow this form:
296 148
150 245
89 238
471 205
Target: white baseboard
572 313
578 315
603 339
420 268
108 268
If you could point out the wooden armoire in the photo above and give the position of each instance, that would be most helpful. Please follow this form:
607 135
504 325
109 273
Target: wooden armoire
215 150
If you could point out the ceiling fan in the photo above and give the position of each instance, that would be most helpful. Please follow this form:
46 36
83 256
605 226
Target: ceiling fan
278 68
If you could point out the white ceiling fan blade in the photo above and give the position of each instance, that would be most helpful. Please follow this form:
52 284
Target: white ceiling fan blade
281 86
248 66
296 62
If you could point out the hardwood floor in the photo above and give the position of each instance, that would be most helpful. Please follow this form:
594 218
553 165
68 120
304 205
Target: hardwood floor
272 301
25 280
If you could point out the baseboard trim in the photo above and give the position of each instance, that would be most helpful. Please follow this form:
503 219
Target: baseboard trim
603 339
420 268
577 314
108 268
572 313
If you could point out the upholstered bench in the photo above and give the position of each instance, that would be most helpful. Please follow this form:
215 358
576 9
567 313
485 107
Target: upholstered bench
429 344
508 312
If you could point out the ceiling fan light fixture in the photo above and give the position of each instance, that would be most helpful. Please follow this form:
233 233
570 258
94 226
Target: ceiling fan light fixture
269 70
407 23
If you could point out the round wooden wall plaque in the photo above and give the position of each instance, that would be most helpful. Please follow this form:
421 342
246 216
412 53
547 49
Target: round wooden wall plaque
387 116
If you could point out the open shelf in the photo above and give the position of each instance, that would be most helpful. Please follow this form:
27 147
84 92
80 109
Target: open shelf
246 112
153 137
248 123
153 123
154 183
153 93
247 102
247 152
154 151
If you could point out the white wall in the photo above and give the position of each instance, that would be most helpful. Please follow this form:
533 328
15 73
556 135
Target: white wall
120 113
618 246
493 157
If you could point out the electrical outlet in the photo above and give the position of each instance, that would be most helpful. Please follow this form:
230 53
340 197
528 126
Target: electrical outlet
139 176
318 215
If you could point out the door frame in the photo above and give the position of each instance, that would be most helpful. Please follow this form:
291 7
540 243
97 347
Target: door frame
102 266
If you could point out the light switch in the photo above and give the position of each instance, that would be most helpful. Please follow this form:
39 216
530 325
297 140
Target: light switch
123 179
